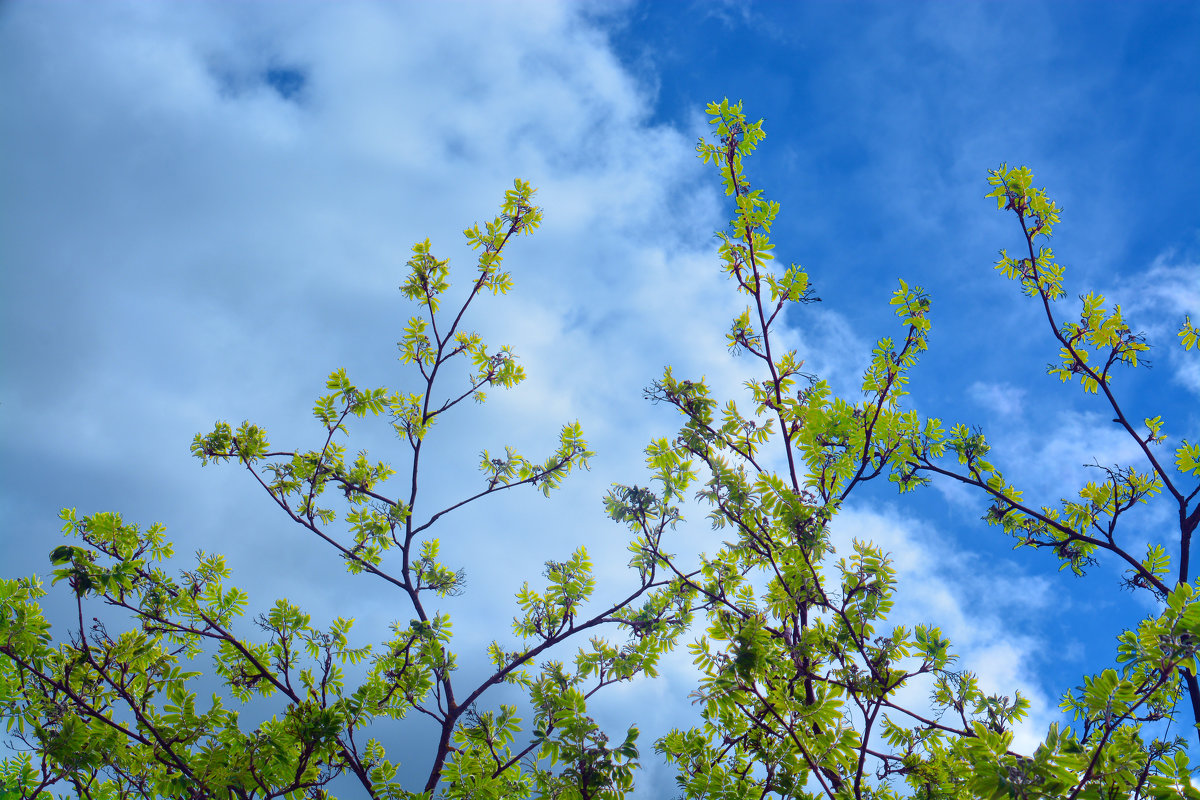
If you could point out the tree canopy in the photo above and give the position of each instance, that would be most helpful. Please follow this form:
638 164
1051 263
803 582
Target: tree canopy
802 681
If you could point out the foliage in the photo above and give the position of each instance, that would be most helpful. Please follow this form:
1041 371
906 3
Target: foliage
118 715
801 690
801 687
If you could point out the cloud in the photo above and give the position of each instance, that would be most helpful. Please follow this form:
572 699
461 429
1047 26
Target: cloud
1156 301
1003 399
1169 287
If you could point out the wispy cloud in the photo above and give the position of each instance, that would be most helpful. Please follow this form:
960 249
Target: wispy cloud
1156 301
1003 399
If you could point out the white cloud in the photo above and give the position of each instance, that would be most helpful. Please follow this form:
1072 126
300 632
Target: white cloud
1169 287
1187 373
1050 455
956 494
1155 301
1003 399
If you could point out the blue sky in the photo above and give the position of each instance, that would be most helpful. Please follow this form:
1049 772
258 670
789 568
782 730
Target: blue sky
206 208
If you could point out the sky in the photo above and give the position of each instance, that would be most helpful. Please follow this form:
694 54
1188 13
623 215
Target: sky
207 208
